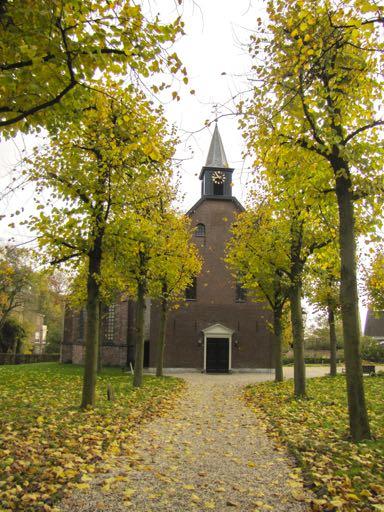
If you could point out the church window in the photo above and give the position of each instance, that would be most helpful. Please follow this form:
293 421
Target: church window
110 324
190 291
241 293
200 230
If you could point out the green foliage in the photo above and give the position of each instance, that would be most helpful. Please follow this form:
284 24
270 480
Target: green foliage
374 282
256 254
346 476
16 277
372 350
92 169
318 83
53 54
317 337
49 446
12 336
322 281
47 297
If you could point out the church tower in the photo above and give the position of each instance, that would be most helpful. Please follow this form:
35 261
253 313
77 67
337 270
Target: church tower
216 175
216 328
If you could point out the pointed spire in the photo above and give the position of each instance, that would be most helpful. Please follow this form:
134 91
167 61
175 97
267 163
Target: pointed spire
216 154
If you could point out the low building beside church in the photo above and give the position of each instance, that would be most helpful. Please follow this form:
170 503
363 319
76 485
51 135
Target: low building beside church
216 328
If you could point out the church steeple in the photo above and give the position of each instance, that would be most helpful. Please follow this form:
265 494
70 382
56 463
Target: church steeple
216 154
216 176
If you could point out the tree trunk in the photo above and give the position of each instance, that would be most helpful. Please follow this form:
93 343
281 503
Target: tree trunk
161 341
92 328
358 417
298 340
100 340
139 346
131 334
332 341
277 329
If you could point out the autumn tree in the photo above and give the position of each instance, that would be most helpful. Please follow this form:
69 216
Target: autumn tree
154 258
90 169
317 66
256 253
53 53
303 224
174 265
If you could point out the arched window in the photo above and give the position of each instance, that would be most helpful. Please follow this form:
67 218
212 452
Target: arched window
200 230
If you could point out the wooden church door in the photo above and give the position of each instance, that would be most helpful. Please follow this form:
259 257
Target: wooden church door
217 355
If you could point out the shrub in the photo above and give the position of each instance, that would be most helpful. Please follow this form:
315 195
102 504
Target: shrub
372 350
12 336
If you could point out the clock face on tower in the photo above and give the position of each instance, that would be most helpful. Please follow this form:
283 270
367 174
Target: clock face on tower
218 177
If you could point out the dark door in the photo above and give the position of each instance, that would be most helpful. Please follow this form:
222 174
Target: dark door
217 355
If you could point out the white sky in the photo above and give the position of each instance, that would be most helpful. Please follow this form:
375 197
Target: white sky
216 34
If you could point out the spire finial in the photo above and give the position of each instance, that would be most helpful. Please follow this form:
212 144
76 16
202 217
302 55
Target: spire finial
216 112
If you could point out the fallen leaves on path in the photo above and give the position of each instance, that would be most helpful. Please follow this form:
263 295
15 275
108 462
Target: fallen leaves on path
346 476
47 444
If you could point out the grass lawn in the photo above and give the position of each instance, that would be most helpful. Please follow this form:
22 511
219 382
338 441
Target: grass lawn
48 444
343 475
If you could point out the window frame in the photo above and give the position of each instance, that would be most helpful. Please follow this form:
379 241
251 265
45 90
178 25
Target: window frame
193 288
201 234
110 325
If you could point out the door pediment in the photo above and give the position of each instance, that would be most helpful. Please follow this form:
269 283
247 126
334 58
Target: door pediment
218 330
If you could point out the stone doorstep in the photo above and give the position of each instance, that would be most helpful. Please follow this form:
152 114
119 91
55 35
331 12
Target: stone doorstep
199 370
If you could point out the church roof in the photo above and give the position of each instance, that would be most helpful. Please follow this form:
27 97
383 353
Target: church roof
235 201
216 154
374 324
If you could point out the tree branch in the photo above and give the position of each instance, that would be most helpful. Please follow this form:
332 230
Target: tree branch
66 258
368 126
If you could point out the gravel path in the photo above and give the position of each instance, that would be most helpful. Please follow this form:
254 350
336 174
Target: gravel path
211 454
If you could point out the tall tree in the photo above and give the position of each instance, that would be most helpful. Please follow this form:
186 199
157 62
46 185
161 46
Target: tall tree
53 53
154 258
91 169
175 263
257 255
318 87
322 287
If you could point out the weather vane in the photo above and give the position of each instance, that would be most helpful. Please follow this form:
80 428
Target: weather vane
216 111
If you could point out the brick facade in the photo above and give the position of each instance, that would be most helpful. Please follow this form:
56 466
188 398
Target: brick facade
215 302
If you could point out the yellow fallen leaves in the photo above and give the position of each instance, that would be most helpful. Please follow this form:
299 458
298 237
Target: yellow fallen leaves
345 476
48 445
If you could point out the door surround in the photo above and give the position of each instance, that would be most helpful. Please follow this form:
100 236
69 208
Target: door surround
218 331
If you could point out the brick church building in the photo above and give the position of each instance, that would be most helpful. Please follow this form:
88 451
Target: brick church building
216 328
